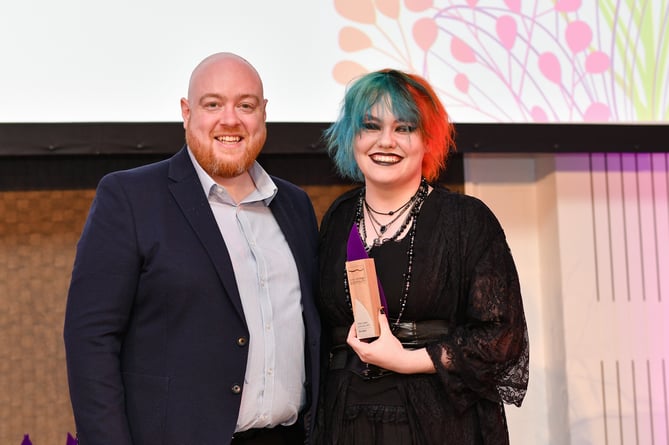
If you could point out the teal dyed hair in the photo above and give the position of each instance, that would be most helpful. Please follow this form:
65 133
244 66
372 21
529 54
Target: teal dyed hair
411 99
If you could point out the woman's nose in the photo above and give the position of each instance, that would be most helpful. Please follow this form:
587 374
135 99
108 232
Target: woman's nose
386 139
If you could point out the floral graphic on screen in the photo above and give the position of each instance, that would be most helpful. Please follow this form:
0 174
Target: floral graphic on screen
518 61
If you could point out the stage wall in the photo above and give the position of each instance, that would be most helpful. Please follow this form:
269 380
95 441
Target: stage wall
589 233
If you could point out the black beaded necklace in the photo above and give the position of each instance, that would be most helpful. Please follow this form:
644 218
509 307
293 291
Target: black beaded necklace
383 227
391 212
417 199
378 240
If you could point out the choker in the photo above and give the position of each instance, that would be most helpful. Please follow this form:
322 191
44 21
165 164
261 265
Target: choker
413 203
403 207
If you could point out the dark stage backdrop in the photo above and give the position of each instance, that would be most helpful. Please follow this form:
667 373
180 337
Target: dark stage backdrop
36 156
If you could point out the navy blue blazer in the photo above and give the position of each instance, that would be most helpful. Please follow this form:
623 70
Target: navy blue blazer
155 336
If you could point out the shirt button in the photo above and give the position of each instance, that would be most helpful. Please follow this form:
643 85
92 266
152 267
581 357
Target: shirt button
236 389
241 341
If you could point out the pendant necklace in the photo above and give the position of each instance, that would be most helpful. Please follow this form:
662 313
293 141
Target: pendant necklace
382 228
391 212
420 196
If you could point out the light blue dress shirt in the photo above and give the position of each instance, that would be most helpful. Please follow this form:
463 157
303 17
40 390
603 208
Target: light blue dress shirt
269 287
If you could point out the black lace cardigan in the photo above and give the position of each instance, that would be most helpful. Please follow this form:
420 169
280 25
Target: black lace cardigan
463 273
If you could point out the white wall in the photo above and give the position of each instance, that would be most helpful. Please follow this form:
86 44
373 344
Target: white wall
491 61
589 234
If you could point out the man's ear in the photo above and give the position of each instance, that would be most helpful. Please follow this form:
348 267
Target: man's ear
185 111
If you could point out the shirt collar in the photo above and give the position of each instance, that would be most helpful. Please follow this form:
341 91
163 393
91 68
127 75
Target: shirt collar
265 188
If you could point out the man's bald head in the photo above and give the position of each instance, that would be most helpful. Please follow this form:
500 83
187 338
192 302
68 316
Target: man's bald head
222 61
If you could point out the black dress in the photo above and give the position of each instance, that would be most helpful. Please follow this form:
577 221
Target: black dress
464 274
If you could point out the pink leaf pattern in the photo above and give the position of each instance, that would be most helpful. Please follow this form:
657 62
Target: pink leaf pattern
549 65
567 5
539 115
507 29
514 60
352 39
418 5
462 82
597 112
346 70
360 11
513 5
578 35
597 62
425 33
461 51
389 8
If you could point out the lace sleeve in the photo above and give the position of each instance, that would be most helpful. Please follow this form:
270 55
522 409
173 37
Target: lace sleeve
487 354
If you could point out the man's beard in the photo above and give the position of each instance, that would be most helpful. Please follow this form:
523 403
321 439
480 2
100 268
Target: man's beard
218 168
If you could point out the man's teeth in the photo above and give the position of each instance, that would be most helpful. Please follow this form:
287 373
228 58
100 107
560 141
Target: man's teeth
228 138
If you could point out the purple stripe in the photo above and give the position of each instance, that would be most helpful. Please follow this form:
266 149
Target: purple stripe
355 250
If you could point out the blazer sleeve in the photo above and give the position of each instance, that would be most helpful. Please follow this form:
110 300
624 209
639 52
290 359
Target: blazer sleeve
100 298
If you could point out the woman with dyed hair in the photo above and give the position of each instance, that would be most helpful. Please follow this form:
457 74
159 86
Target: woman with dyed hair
453 344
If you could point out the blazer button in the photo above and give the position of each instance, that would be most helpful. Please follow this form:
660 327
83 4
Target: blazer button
241 341
236 389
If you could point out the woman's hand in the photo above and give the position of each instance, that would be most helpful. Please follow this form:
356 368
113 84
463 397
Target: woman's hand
387 352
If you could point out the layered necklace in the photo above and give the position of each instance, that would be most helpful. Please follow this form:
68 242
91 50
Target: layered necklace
380 229
414 204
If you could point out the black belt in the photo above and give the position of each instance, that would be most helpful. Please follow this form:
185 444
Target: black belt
412 335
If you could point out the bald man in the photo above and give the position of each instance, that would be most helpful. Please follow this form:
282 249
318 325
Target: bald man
190 316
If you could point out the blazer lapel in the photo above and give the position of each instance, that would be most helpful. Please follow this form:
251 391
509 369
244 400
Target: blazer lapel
188 193
283 209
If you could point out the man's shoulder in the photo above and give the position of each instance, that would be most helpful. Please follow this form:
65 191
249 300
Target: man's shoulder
284 184
289 190
145 173
144 170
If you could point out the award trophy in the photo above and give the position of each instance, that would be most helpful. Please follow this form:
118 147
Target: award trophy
365 299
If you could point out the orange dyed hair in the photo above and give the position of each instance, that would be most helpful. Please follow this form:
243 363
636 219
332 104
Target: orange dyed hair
412 99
